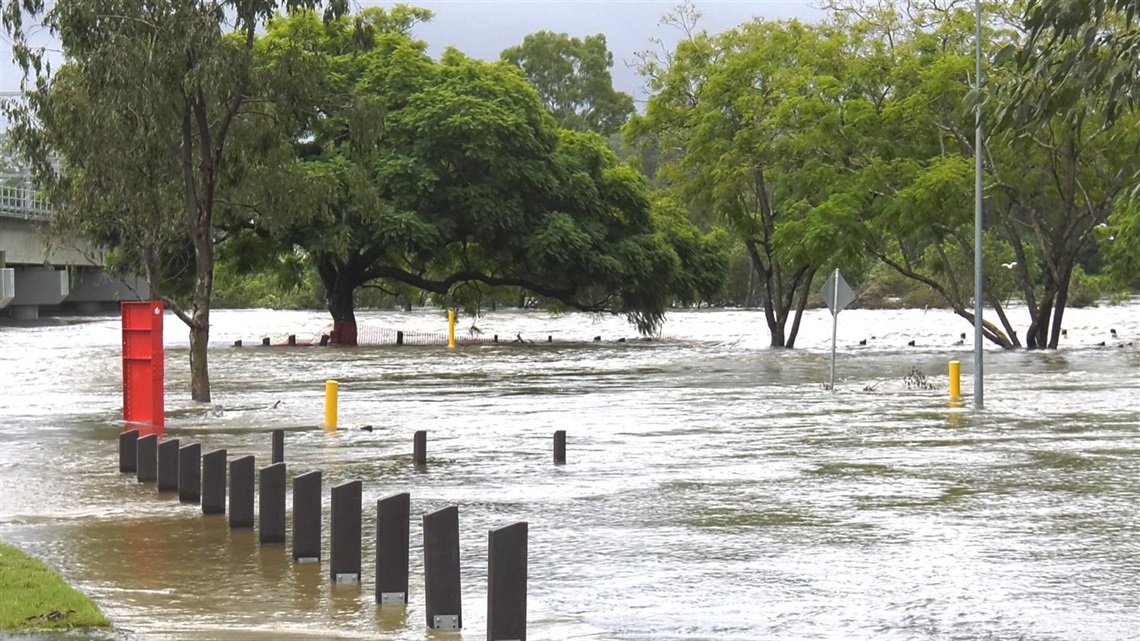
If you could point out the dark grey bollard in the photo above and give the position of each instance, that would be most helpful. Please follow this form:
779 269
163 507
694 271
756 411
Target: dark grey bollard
307 517
214 482
560 447
419 449
168 466
146 467
392 540
271 504
344 549
278 446
441 569
399 337
265 342
241 492
129 451
190 473
506 583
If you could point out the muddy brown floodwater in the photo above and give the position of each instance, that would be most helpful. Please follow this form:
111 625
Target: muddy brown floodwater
714 489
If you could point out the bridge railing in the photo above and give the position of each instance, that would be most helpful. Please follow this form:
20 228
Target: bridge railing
18 199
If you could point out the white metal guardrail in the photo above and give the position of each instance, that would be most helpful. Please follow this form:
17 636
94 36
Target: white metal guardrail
18 199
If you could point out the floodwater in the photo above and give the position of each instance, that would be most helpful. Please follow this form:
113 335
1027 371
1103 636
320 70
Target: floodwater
714 488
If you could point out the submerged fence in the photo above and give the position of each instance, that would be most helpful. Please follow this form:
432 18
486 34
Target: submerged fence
381 336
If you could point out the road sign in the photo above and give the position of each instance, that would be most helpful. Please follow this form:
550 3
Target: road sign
837 293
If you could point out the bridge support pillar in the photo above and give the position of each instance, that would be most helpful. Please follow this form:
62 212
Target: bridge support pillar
24 312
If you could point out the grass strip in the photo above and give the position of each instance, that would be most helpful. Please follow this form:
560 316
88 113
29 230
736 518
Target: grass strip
32 595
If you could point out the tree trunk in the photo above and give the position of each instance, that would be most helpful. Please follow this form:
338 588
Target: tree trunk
203 290
1059 309
342 308
1038 334
199 368
801 305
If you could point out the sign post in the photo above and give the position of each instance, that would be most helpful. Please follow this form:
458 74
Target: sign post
838 295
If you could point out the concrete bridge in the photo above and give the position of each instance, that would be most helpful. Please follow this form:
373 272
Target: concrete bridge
42 275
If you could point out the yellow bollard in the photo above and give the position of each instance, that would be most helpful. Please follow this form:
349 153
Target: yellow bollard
330 405
955 383
450 329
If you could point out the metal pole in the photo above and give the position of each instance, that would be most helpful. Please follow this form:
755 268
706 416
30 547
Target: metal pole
834 326
978 384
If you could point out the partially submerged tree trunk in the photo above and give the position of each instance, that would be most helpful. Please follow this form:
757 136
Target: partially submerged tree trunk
779 293
341 306
340 288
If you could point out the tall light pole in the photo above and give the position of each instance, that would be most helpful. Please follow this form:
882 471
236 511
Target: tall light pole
978 385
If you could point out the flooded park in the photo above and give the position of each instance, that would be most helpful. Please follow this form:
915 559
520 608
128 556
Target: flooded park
714 488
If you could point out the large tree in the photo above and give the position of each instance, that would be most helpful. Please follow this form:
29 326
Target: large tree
451 175
765 132
572 76
1047 189
168 82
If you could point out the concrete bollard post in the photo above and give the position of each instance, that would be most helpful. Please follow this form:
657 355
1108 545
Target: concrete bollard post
214 482
392 540
419 449
344 548
129 451
278 446
441 569
307 517
146 467
241 492
560 447
237 343
271 504
190 473
292 340
168 466
506 583
265 342
324 340
399 337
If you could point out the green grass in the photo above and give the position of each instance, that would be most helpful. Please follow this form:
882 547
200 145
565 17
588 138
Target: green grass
32 595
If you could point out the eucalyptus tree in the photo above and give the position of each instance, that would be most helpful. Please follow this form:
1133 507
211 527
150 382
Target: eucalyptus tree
1071 48
450 177
1049 187
763 128
169 81
572 75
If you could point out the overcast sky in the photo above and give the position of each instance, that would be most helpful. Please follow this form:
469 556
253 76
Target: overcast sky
483 28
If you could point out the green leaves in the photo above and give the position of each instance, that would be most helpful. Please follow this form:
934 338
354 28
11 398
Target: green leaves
573 79
451 177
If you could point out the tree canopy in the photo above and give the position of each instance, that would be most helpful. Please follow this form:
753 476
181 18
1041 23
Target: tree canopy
450 177
131 136
572 76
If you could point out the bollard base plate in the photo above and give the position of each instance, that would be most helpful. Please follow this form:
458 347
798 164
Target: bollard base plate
348 577
309 559
446 622
393 598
